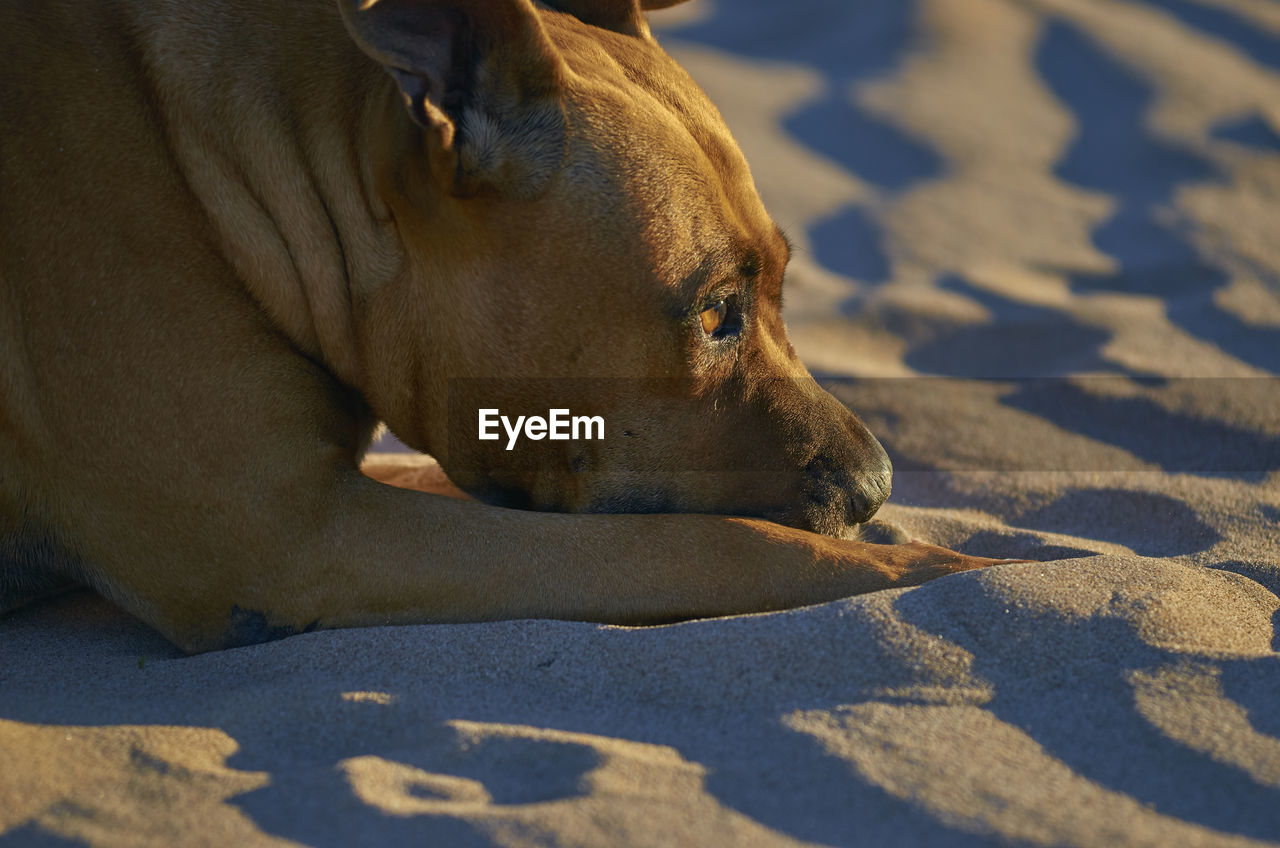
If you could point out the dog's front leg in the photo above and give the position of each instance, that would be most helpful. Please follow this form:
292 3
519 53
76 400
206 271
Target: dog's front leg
391 555
409 557
361 553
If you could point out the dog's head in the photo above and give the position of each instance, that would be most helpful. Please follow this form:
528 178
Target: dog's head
582 232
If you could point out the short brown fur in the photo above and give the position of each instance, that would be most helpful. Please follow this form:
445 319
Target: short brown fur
234 236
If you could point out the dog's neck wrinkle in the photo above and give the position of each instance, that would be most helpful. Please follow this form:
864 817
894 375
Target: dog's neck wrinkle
275 137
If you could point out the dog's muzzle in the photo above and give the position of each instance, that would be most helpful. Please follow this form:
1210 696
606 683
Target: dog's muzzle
870 490
847 490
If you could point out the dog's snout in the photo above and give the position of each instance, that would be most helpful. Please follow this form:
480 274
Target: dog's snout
867 471
870 491
849 486
848 475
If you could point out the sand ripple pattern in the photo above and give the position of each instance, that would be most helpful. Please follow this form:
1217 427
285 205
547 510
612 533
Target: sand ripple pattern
1040 252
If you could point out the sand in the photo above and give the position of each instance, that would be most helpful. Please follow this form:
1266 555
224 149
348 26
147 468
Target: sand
1038 252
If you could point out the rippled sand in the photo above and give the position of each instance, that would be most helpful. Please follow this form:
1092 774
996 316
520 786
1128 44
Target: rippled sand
1040 253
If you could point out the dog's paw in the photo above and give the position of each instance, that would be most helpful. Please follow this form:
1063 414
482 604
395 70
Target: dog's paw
410 471
919 562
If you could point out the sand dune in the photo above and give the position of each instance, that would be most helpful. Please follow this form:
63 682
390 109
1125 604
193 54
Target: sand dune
1039 252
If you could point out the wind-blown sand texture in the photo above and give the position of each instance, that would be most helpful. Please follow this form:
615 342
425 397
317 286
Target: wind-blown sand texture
1040 252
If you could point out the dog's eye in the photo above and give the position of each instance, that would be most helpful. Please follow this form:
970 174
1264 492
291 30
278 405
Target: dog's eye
713 317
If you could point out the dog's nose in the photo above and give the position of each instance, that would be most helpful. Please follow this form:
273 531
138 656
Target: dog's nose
849 489
870 491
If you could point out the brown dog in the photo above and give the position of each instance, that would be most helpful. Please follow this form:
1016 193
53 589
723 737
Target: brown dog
234 236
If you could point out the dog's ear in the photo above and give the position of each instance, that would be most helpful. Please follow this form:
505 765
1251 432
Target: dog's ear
482 78
625 16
